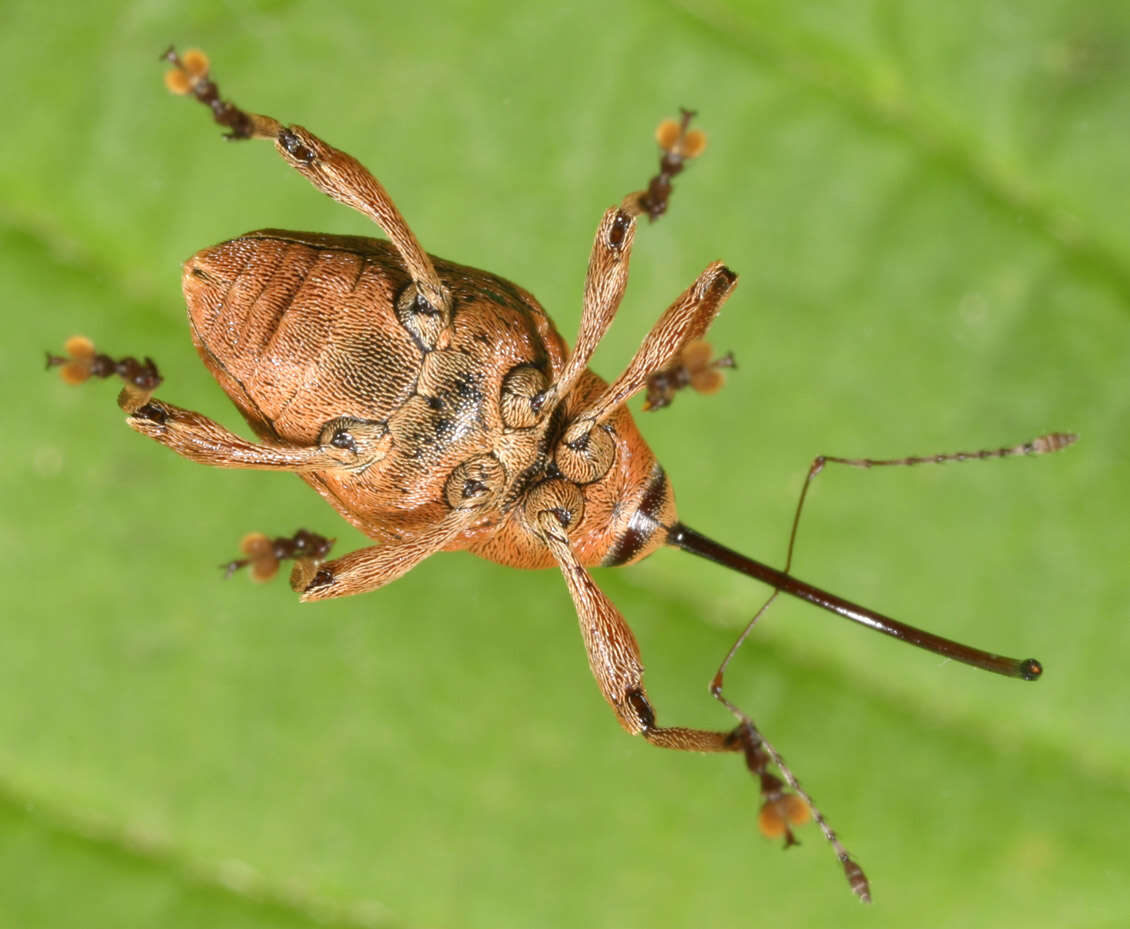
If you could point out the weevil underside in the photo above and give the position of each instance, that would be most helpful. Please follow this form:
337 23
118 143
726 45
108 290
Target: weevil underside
436 408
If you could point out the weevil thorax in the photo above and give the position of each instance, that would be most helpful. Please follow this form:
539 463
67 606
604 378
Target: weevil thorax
313 338
615 514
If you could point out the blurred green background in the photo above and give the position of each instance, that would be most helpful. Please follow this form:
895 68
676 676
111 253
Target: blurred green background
923 201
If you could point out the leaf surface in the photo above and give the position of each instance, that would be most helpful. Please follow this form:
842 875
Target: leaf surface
923 202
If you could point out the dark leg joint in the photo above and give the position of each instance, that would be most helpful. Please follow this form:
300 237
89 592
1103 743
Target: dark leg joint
153 412
728 276
294 148
323 578
619 231
423 306
645 715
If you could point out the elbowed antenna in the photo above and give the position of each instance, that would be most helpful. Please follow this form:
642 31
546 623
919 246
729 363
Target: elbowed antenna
1028 669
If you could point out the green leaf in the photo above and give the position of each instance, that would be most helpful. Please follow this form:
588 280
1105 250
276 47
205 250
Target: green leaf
923 204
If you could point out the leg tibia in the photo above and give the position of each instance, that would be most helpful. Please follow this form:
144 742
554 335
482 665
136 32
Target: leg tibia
332 171
369 568
685 321
615 661
607 274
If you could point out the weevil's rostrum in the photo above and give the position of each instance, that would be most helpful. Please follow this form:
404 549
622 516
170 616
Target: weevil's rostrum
436 408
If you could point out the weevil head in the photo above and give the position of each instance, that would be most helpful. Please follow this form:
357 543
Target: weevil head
623 506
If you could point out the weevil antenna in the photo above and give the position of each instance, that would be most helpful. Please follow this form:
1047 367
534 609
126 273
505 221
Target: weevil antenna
1026 669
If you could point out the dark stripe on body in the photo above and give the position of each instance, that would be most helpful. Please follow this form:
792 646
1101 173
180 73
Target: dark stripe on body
643 523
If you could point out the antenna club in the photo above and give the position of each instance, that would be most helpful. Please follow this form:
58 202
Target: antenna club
1030 669
856 878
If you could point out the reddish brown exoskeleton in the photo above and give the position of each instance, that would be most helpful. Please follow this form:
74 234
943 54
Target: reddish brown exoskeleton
436 408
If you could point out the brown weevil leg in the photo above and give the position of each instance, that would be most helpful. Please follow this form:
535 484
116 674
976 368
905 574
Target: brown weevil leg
693 367
684 321
782 809
585 451
198 438
678 143
583 454
607 275
614 658
262 554
615 662
605 282
336 174
369 568
81 361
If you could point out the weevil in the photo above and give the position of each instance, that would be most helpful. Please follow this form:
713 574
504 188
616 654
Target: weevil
436 408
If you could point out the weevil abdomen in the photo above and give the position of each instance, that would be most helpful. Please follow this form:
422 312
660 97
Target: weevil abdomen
301 327
272 316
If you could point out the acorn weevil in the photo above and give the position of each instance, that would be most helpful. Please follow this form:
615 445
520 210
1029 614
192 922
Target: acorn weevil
436 408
